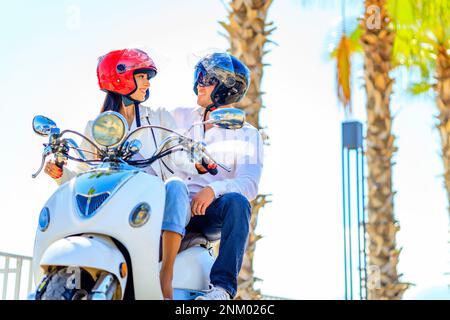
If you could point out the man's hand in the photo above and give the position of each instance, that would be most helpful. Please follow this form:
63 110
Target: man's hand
204 167
201 201
200 169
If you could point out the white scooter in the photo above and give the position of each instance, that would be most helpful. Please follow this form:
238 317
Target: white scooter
98 236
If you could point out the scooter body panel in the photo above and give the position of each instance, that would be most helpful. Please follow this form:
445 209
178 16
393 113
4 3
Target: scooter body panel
192 268
86 251
112 220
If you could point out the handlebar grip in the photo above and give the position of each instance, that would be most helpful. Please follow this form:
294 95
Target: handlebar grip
211 167
59 164
59 161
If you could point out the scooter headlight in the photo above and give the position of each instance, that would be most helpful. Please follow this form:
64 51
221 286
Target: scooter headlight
44 219
109 129
140 215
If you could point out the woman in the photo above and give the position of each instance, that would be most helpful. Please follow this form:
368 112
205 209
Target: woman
124 75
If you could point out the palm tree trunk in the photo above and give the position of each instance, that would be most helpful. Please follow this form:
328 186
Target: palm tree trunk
247 32
377 44
443 102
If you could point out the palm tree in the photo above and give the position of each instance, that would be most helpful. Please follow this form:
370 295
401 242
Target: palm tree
376 36
248 32
377 46
423 45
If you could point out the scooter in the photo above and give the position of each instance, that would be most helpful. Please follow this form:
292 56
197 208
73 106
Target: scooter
98 235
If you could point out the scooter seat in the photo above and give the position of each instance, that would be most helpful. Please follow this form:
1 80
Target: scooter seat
192 239
212 236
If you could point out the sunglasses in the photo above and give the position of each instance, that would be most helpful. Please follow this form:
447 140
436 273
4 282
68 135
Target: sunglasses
206 81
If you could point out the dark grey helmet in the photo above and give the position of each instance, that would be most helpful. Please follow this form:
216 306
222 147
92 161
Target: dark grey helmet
231 76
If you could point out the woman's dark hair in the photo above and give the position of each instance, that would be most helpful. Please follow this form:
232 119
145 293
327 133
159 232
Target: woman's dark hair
112 102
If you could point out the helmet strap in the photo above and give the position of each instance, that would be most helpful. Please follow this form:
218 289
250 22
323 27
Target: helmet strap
127 101
137 115
209 108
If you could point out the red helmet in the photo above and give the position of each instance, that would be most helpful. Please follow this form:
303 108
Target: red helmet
116 69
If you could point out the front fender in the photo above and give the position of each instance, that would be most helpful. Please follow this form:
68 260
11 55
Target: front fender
90 251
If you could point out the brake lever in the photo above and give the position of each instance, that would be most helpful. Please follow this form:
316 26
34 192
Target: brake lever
200 148
47 151
218 163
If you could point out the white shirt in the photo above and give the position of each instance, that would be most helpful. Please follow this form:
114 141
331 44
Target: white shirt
239 149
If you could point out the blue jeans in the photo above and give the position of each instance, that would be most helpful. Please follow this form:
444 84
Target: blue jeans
230 216
177 210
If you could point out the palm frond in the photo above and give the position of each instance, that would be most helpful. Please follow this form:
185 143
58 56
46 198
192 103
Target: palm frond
353 37
422 27
343 67
420 88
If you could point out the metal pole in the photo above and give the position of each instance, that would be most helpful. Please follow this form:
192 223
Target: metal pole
5 278
345 224
18 277
364 222
352 140
30 277
349 225
359 225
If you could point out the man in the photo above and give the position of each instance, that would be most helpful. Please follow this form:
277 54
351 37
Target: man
221 202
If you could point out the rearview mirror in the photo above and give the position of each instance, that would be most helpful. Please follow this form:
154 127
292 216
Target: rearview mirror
228 118
43 125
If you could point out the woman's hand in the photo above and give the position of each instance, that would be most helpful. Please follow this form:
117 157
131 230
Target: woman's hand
53 170
201 201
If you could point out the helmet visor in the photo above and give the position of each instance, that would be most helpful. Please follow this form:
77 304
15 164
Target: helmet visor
216 68
204 79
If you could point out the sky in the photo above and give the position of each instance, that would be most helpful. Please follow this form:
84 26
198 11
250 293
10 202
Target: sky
48 61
